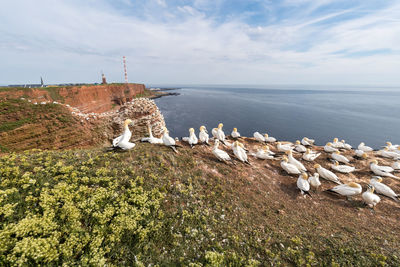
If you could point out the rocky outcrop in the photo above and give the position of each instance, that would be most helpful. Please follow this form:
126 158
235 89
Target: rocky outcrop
100 98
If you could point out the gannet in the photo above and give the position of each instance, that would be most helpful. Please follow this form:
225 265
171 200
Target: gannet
396 165
381 170
235 134
220 154
364 148
346 146
203 135
389 154
376 182
310 155
336 143
295 162
347 190
214 132
327 174
302 184
284 148
391 147
122 141
239 152
299 147
289 168
269 139
342 168
220 135
361 154
151 139
259 137
307 142
337 156
192 138
329 148
169 141
314 181
264 153
370 198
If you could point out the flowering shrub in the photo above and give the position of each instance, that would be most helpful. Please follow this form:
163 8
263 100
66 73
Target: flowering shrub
73 209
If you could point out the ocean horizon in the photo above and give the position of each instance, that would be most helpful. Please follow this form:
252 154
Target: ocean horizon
288 112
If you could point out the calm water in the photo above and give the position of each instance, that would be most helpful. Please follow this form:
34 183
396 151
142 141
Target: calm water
355 115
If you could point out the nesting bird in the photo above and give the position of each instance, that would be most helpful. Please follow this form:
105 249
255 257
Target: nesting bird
299 147
259 137
235 134
302 184
288 167
122 141
337 156
283 147
295 162
239 152
329 148
310 155
376 182
307 142
370 198
269 139
342 168
314 181
364 148
151 139
347 190
203 135
327 174
265 153
220 154
381 170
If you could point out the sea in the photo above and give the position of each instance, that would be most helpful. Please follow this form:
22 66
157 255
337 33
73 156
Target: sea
288 113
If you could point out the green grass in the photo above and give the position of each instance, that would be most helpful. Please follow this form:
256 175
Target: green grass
150 206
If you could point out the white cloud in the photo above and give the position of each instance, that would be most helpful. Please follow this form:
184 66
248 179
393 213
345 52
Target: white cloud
69 41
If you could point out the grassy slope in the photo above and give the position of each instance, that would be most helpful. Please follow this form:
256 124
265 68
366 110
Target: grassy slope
194 210
27 126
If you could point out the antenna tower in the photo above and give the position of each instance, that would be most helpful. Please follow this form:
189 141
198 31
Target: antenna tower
125 72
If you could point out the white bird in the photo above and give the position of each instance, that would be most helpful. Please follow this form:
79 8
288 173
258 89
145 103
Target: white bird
346 146
329 148
337 156
327 174
361 153
299 147
314 181
347 190
192 138
336 143
310 155
391 147
364 148
169 141
214 132
265 153
389 154
370 198
342 168
289 168
239 152
396 165
376 182
259 137
303 184
284 147
269 139
307 142
151 139
122 141
381 170
203 135
235 134
295 162
219 133
220 154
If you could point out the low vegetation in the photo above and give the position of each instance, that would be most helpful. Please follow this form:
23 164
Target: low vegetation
152 206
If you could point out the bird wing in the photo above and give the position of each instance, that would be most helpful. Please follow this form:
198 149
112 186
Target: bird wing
117 140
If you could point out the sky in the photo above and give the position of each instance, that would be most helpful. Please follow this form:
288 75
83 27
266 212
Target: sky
322 42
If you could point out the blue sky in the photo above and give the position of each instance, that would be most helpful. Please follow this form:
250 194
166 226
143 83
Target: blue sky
201 41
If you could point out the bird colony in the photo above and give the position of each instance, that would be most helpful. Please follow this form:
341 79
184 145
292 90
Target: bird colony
337 170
